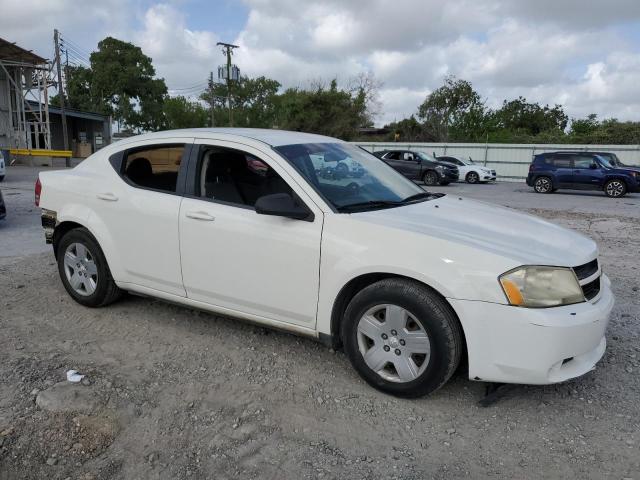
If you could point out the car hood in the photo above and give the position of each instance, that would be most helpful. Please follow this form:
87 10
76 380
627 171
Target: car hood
525 239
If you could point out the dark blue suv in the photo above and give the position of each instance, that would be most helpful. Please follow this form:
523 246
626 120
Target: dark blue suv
550 171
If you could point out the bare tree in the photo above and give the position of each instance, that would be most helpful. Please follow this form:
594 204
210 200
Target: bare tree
366 84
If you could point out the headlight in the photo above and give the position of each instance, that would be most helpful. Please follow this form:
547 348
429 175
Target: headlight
439 167
539 286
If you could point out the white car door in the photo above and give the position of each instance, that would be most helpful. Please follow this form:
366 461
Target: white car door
263 266
139 211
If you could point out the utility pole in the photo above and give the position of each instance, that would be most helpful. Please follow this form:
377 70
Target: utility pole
213 98
65 133
227 49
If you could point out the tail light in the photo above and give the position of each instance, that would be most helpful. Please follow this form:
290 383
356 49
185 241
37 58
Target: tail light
532 167
38 191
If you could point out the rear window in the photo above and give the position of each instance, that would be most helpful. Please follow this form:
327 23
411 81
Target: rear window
154 167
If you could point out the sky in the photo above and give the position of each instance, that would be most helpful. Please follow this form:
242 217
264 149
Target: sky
582 54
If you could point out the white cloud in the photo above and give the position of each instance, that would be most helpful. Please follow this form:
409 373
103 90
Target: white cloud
583 55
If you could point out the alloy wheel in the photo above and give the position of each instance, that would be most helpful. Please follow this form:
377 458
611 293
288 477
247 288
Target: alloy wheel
393 343
543 185
615 188
473 177
430 178
80 269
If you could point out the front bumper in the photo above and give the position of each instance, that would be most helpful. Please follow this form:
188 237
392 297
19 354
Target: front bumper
448 175
534 346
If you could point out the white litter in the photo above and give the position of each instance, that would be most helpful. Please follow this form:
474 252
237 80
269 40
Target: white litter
73 376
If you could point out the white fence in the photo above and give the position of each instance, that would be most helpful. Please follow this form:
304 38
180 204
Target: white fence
511 161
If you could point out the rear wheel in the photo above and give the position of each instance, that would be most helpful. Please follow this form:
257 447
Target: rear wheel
430 178
615 188
402 337
543 185
84 271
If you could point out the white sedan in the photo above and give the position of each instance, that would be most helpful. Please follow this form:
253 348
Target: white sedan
470 172
237 221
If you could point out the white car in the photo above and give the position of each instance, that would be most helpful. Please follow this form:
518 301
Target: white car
407 282
3 167
470 172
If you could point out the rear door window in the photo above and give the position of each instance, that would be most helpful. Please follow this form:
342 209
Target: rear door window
582 161
154 167
562 161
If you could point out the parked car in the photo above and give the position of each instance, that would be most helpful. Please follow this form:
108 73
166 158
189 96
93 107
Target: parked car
2 166
3 208
469 171
408 282
419 166
550 171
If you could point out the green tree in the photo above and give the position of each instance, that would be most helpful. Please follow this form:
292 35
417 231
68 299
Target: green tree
523 118
180 112
253 101
123 79
454 111
327 111
79 91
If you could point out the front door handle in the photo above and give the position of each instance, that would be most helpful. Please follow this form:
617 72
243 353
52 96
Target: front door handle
200 216
109 197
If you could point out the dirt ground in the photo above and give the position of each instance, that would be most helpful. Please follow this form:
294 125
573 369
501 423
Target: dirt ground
172 393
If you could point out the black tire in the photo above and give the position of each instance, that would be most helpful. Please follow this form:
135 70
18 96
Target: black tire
1 178
472 177
436 318
543 184
430 178
615 188
106 291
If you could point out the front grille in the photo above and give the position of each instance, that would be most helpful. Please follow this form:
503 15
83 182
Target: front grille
591 289
493 172
586 270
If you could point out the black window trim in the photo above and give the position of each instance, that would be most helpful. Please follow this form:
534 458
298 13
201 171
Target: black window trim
117 161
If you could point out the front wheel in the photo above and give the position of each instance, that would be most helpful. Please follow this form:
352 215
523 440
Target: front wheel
430 178
402 337
615 188
472 177
84 271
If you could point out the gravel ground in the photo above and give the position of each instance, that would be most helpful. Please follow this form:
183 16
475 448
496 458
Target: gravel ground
173 393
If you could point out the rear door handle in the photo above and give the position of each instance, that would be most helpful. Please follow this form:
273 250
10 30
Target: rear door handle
109 197
200 216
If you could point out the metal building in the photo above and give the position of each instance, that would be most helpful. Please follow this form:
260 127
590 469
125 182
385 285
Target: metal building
24 102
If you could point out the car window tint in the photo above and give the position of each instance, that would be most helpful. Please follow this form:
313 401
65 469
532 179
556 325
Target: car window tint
154 167
393 155
562 162
582 162
236 177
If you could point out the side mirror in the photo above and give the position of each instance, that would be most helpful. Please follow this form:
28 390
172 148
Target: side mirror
282 205
593 166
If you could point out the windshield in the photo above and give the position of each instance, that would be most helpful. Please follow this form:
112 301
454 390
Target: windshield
350 178
425 156
606 161
467 161
611 160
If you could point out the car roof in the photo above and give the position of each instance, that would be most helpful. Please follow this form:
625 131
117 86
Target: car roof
271 137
